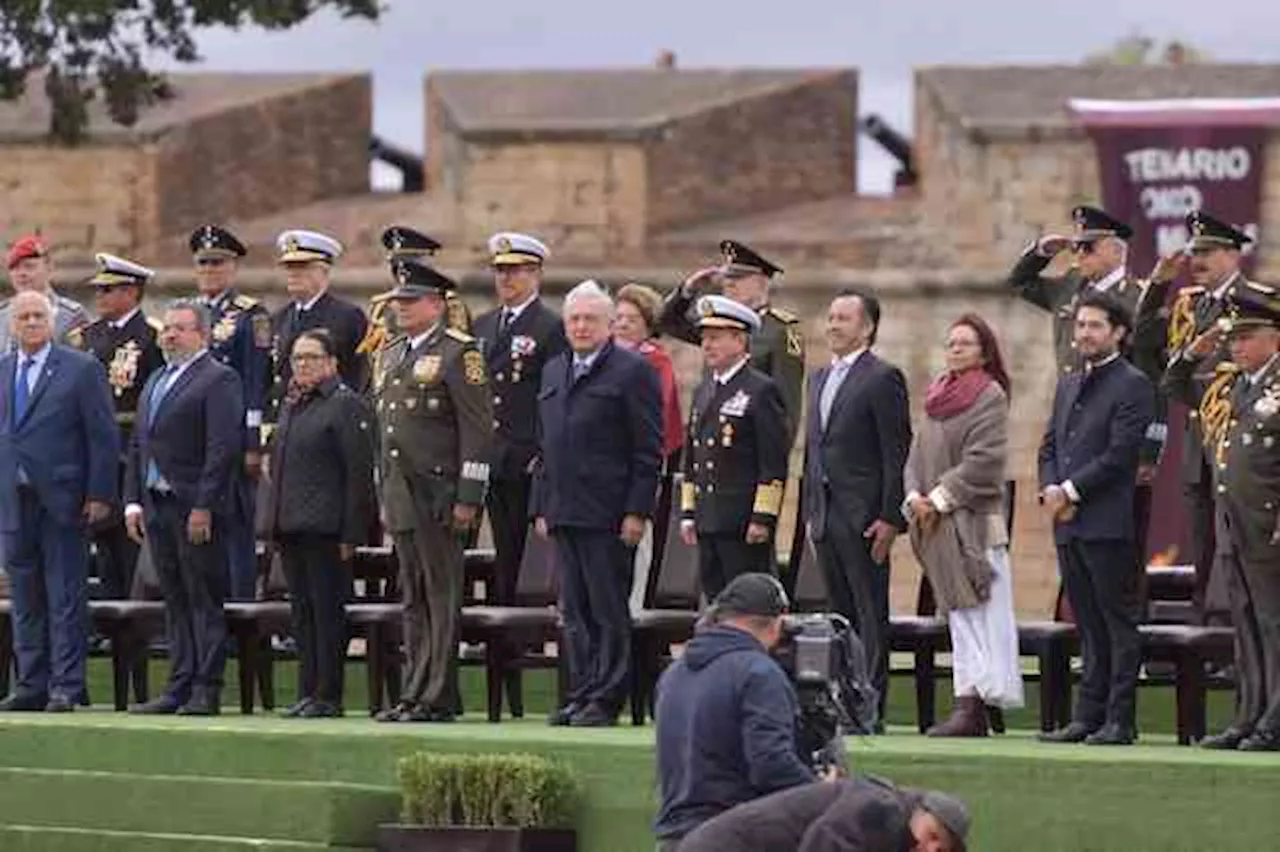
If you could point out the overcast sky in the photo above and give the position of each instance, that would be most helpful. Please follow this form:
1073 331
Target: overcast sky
885 40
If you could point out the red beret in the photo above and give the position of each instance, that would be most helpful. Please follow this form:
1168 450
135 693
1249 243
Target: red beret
25 247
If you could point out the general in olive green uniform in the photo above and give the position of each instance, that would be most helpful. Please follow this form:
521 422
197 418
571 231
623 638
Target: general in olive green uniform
735 465
777 346
404 243
1244 400
436 423
123 338
1059 296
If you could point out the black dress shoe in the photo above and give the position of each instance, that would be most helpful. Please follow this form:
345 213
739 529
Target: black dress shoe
297 708
1112 735
203 706
1261 740
1076 732
441 714
320 710
162 706
594 716
561 716
59 704
17 703
394 713
1228 740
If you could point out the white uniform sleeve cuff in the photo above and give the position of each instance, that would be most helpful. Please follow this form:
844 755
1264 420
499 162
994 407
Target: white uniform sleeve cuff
941 499
132 509
1072 494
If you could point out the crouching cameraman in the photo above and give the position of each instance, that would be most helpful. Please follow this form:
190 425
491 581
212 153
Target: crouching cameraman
856 815
727 713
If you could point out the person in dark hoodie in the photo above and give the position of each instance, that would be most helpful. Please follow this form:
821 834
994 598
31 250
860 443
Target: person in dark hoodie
861 814
726 713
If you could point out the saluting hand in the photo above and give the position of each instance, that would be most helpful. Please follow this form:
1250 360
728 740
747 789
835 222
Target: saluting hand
1168 267
1051 245
699 279
1206 344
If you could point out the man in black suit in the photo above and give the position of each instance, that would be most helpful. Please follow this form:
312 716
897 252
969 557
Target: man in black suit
600 412
189 436
736 464
1088 470
307 259
123 339
859 432
518 338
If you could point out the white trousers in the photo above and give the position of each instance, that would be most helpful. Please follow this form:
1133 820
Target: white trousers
984 642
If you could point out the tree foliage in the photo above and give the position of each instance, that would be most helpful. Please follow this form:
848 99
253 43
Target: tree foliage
1139 49
86 49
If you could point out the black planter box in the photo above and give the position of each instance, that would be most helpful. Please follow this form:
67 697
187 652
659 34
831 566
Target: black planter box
421 838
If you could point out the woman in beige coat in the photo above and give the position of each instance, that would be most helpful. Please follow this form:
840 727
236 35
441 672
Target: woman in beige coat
954 481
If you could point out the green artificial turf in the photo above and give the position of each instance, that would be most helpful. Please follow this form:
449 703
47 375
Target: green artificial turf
27 838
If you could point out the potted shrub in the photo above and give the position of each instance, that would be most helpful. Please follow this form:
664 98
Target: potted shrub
483 803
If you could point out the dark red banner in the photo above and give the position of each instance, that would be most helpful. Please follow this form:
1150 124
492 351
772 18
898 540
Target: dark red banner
1159 161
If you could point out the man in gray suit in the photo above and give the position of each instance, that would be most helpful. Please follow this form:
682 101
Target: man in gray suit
31 268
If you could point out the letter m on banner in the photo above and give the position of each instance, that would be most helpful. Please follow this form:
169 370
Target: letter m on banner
1159 160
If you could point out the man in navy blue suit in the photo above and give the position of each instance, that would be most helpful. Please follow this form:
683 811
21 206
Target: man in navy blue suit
600 412
1088 470
187 439
58 454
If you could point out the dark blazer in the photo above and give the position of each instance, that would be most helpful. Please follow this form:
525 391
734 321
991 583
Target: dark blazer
66 441
601 441
196 437
856 463
516 360
321 472
1093 439
344 320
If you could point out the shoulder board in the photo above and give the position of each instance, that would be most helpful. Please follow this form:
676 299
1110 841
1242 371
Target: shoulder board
460 336
782 314
155 324
1265 289
244 302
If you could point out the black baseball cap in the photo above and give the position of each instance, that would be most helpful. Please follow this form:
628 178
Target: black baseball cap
752 594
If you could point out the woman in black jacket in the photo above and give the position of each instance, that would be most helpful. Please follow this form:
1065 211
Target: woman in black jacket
320 506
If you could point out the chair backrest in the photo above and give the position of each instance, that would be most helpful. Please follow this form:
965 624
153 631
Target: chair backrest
663 518
811 587
677 586
1010 503
537 584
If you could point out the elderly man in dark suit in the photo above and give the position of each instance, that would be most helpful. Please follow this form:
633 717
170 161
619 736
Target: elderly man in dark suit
1088 470
600 411
58 457
188 437
859 433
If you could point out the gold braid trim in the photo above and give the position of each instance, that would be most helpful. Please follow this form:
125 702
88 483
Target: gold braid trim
1182 324
1215 407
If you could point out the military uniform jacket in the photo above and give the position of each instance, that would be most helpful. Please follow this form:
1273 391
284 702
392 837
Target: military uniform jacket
435 426
735 464
1194 311
69 320
1248 461
1144 302
382 330
130 355
516 359
777 348
240 337
344 320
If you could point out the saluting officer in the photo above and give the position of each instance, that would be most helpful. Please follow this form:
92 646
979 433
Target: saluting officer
240 337
1214 252
777 345
404 243
518 338
123 338
735 466
1099 245
1246 456
436 423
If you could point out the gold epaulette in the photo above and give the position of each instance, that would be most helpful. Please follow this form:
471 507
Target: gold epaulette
155 324
782 314
374 339
460 336
244 302
75 337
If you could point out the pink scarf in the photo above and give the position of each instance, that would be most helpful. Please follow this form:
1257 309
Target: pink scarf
952 393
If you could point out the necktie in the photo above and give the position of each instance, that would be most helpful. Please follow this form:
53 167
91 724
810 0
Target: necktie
158 391
504 321
830 388
580 367
22 391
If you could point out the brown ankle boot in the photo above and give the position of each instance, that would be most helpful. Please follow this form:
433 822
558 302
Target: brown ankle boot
968 719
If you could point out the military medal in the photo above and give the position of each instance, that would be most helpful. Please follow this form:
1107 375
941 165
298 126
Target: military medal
225 329
427 369
1267 406
123 369
726 435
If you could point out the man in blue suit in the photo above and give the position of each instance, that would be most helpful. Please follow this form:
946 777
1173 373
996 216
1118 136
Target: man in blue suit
187 439
600 414
58 454
1088 470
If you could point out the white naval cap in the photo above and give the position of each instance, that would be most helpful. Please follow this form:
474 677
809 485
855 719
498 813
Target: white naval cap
113 271
511 249
723 312
298 246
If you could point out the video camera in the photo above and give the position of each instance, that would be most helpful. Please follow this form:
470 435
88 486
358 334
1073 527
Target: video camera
824 658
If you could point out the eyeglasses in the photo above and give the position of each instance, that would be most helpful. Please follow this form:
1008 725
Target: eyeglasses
1083 247
307 358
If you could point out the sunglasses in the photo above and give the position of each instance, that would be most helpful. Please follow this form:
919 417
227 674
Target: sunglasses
1083 247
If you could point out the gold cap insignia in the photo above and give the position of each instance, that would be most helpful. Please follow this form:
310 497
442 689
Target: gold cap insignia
291 244
397 241
504 244
706 308
1197 227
